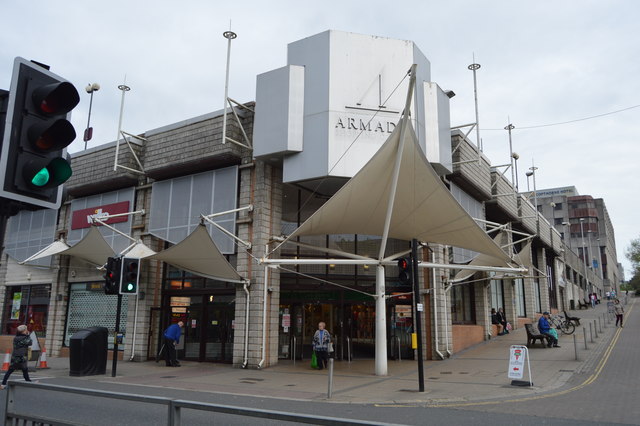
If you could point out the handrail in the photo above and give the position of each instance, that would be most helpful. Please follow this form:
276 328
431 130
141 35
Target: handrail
174 407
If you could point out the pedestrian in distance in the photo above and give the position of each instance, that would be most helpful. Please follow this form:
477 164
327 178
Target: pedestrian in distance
592 297
619 310
496 321
171 339
21 344
545 328
502 317
321 340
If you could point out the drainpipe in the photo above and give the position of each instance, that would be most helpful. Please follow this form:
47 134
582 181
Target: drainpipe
446 320
435 306
245 287
135 324
264 315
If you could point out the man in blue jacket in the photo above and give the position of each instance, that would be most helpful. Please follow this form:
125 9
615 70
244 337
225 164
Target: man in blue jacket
545 328
171 339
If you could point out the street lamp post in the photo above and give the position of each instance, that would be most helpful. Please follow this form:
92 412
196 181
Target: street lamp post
88 132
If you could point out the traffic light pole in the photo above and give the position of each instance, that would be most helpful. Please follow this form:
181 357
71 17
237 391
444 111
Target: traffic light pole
418 308
114 365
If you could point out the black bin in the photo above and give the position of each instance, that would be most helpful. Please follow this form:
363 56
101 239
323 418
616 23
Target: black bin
88 352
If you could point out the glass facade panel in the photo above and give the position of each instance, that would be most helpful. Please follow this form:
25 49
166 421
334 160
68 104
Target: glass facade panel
28 232
115 240
176 206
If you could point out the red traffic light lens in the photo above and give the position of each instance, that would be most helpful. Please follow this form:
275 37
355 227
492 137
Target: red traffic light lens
403 263
56 98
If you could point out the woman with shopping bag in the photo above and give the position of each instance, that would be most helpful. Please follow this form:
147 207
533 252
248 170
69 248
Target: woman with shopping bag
321 342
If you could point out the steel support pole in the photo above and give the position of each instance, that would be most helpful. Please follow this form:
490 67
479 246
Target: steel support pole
418 300
381 323
114 365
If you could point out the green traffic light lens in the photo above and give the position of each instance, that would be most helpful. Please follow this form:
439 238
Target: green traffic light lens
129 287
41 178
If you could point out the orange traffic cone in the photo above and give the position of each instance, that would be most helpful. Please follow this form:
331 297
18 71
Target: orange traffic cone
7 361
43 360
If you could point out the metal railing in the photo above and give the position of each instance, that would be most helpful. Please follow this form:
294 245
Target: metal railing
173 406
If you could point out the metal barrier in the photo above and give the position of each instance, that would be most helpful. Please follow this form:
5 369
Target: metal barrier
174 407
349 357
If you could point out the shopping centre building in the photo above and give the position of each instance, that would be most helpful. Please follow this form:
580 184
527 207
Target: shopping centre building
316 122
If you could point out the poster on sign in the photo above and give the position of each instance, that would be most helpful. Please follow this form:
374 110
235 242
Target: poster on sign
518 356
516 362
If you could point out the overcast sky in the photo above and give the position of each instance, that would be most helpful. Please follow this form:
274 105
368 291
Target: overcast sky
543 62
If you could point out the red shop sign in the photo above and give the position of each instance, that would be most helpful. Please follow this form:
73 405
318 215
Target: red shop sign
82 218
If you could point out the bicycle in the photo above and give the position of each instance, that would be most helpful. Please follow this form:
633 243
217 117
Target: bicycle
560 323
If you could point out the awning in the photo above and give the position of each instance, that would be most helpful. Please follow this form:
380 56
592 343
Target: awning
198 254
423 209
92 248
480 260
55 247
139 250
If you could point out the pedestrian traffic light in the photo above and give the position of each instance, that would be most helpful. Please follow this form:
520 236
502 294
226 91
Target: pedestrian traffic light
130 275
34 160
112 276
404 273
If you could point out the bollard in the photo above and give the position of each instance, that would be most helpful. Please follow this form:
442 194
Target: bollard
575 346
600 324
584 334
293 352
604 321
330 390
595 328
591 332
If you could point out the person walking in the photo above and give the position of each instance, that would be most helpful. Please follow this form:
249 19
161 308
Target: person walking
619 310
21 344
171 339
321 340
592 297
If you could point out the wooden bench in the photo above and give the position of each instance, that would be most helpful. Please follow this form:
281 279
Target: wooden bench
533 334
582 305
576 320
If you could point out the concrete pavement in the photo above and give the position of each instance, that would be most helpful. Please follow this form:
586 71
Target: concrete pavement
477 375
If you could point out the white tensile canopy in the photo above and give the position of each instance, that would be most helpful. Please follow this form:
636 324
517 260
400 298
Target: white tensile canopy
423 208
198 254
55 247
93 248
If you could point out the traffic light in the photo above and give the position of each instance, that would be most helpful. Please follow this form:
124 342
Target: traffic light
34 161
404 273
130 275
112 276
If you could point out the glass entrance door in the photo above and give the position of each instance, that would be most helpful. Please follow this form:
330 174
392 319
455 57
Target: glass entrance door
220 321
208 328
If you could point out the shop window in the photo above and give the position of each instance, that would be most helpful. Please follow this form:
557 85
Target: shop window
497 293
26 305
462 304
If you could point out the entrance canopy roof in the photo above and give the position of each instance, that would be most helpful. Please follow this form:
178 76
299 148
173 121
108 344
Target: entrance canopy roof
93 248
423 208
198 254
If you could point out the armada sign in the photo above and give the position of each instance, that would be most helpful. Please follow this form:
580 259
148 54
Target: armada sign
374 126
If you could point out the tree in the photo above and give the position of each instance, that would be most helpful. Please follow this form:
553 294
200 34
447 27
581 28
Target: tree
633 254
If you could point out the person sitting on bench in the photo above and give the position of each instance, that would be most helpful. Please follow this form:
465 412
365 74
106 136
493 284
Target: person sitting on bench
496 321
545 328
